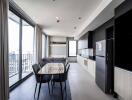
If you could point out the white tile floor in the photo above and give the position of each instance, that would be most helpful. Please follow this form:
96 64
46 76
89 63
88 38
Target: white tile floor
83 86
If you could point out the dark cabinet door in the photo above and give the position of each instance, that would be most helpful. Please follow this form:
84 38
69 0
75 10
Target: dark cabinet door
90 39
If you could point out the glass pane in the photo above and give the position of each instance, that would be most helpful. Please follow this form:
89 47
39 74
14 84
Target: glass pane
27 48
72 48
43 45
13 25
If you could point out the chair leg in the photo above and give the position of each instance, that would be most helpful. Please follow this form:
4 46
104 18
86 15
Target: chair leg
39 90
65 85
53 83
65 91
35 90
49 87
61 90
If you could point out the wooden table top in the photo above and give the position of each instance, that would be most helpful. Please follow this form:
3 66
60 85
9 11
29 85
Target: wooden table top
52 68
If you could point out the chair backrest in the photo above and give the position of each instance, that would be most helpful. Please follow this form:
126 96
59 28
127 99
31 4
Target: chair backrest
36 68
66 62
42 63
54 60
67 70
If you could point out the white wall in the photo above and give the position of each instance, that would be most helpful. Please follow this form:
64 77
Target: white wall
57 39
123 83
57 50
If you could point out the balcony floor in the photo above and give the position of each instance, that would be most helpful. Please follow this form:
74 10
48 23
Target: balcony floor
15 78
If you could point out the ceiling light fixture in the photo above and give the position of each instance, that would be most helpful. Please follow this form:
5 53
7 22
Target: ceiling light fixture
79 18
75 27
58 19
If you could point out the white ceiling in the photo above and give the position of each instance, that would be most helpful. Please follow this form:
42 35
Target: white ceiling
44 13
105 15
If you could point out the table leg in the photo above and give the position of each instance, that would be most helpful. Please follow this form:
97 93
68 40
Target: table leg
49 87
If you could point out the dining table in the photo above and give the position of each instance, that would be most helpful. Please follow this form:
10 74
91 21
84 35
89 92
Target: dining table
53 69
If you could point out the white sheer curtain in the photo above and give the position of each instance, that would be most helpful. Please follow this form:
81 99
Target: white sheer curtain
4 80
47 46
38 47
43 46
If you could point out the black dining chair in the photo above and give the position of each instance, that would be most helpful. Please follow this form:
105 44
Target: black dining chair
42 63
66 62
40 78
61 77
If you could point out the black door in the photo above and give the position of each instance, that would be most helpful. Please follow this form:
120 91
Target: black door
109 60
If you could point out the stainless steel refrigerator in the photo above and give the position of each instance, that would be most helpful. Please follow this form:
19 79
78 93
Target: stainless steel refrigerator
103 66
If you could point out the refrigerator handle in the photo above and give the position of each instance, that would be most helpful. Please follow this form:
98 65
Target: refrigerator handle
107 58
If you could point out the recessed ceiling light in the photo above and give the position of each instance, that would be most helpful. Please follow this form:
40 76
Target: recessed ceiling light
75 27
53 0
58 19
79 18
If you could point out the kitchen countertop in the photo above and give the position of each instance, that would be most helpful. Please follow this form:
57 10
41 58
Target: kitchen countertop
90 57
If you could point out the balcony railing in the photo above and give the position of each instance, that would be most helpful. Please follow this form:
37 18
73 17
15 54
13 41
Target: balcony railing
27 62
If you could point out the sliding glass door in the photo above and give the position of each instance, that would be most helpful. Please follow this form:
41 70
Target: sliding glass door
27 48
21 48
14 27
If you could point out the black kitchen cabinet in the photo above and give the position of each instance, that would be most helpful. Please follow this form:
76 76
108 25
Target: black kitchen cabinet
90 39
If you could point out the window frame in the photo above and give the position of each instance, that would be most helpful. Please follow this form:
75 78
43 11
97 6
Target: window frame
13 9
